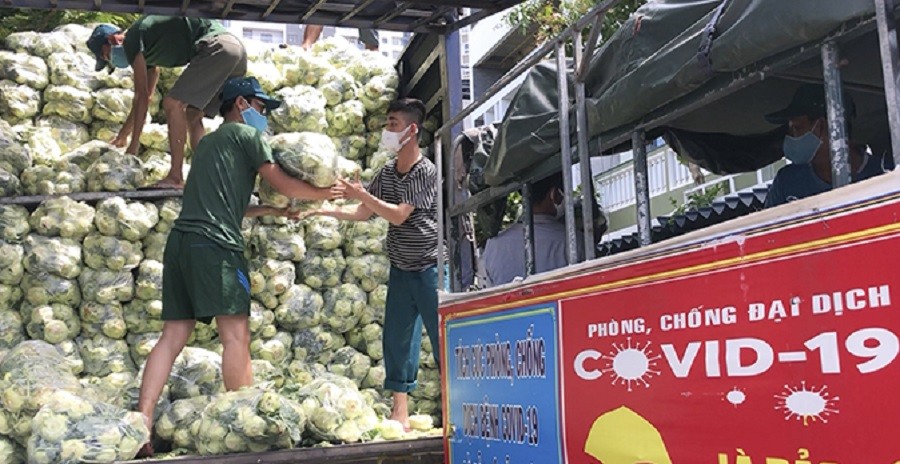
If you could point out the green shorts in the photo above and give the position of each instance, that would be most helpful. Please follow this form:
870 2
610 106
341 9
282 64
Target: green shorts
202 280
218 58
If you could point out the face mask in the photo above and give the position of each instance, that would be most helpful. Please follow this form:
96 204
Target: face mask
395 141
255 119
801 150
117 56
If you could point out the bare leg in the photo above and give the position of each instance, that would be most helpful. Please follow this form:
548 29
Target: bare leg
178 128
175 335
234 333
373 48
195 126
310 35
400 411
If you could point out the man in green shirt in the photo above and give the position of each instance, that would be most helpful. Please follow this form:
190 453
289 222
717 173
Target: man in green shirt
205 274
212 56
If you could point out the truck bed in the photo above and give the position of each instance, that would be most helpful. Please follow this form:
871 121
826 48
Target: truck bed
418 451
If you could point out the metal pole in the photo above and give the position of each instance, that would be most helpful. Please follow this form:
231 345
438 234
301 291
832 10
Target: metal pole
528 216
890 66
641 186
837 118
565 145
451 80
442 232
584 158
532 59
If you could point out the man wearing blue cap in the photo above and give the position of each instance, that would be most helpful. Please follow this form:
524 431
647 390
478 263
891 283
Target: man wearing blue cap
808 147
205 272
212 56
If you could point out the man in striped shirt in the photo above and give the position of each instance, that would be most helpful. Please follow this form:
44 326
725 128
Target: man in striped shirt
405 193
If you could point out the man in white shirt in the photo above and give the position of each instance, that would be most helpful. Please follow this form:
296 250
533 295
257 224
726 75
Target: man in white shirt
504 255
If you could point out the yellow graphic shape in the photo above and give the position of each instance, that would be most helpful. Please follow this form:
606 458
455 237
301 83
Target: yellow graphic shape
622 436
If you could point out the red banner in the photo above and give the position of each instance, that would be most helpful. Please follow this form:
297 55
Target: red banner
788 357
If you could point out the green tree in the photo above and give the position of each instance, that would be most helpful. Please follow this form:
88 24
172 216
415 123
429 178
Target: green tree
25 19
552 16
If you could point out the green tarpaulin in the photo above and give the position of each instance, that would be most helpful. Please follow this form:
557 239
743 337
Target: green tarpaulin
663 54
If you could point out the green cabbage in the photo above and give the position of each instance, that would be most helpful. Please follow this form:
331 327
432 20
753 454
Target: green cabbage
346 118
128 220
72 430
11 265
112 105
9 184
279 242
349 363
368 271
19 102
148 285
143 316
154 245
300 308
106 286
57 256
65 134
155 137
197 372
315 344
365 237
103 319
43 180
103 355
276 350
39 44
322 269
323 233
12 331
115 172
68 103
24 69
302 110
14 157
177 421
63 217
249 420
141 344
44 288
344 306
53 323
14 224
29 375
305 68
262 321
308 156
86 154
105 252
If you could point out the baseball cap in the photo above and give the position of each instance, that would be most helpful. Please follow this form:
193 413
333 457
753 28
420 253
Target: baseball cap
247 87
809 100
98 39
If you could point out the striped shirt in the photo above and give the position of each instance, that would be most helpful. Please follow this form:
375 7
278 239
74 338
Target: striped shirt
411 246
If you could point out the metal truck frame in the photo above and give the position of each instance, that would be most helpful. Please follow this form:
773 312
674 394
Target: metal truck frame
648 356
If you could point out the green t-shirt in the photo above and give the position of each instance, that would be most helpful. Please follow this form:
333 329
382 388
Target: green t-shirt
168 41
222 178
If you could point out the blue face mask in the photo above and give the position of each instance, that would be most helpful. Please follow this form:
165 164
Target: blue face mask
801 150
255 119
117 57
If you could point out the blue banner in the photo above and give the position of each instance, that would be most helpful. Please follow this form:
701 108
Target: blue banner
503 387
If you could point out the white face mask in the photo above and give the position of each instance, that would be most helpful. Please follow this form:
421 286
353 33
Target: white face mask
395 141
